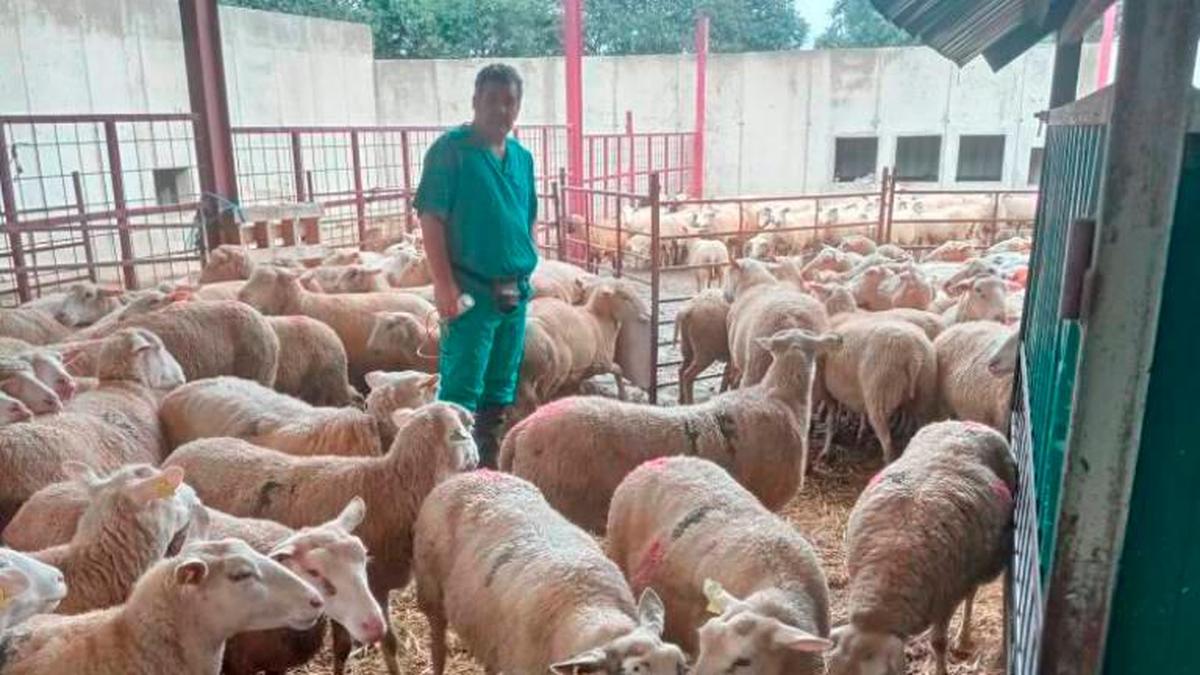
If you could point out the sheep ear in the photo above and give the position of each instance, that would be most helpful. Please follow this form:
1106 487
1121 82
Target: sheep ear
651 612
718 598
138 343
593 661
375 379
13 582
789 637
200 526
162 486
81 473
191 572
352 516
431 382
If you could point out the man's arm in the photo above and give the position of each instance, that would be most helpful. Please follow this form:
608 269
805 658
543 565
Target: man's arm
445 288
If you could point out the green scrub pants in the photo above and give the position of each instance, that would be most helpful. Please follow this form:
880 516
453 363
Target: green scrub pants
480 354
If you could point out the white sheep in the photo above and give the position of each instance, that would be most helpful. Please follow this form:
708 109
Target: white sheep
970 387
686 529
954 486
984 300
703 324
81 304
342 279
27 587
19 380
113 424
313 365
432 443
47 365
226 263
709 258
392 391
882 367
231 406
278 292
32 326
760 306
12 410
578 449
562 280
176 620
489 551
405 340
134 518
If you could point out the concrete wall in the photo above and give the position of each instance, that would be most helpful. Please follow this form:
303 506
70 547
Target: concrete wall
93 56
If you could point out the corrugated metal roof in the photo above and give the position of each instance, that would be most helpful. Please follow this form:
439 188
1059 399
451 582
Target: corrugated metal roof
960 30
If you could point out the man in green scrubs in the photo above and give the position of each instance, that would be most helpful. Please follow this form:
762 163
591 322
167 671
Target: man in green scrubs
477 205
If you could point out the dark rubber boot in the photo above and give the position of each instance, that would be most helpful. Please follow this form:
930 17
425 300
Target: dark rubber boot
487 424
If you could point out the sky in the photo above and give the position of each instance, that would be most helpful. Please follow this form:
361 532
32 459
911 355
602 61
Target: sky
816 13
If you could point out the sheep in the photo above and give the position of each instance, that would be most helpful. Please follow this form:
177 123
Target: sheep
392 391
984 301
227 263
709 257
314 365
19 380
544 367
27 587
829 259
765 246
951 251
221 291
857 243
32 326
954 487
81 304
759 432
974 268
882 367
969 389
47 366
637 248
114 424
143 302
1003 358
893 252
344 279
557 279
588 333
680 520
278 292
432 443
231 406
872 288
207 339
1012 245
405 340
12 410
176 620
760 307
703 323
134 519
908 289
489 551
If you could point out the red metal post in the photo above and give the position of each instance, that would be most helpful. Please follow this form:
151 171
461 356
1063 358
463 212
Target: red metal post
881 226
360 204
701 103
297 166
1104 61
117 181
206 89
546 178
9 200
573 51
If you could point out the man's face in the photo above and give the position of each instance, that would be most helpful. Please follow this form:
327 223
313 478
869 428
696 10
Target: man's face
496 108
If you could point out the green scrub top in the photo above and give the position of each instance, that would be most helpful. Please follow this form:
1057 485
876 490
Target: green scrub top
487 203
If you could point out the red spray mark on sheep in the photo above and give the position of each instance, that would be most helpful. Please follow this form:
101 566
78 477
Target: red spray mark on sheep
644 573
1002 492
875 479
656 464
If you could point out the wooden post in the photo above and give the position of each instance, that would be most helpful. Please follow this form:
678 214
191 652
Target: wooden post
1119 316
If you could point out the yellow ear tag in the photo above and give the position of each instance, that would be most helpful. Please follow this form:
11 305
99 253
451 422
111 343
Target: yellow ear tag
163 488
713 591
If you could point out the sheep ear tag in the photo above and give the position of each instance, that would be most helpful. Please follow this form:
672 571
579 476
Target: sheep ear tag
716 597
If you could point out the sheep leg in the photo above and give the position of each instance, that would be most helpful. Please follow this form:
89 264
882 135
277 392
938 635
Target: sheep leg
342 645
862 427
937 640
726 377
879 424
437 642
687 379
830 423
964 642
616 373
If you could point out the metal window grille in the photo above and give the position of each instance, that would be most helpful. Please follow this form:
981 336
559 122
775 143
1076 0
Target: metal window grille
980 158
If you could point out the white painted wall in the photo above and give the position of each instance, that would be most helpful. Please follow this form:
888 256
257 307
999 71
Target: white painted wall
96 56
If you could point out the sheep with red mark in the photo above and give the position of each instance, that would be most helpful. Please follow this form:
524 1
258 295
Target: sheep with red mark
954 484
578 449
489 551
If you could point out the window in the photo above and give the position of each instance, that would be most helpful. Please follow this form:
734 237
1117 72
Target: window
854 159
1035 165
171 184
918 158
980 158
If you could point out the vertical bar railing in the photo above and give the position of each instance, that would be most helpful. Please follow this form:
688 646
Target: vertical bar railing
9 199
891 210
632 151
81 206
297 166
405 155
697 186
655 203
360 203
560 241
117 178
546 178
883 199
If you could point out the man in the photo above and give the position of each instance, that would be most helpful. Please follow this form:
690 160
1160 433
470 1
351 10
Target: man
477 205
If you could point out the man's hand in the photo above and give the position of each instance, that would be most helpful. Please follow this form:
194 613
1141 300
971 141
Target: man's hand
445 296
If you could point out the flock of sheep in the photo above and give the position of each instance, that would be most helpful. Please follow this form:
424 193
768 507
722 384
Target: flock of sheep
197 484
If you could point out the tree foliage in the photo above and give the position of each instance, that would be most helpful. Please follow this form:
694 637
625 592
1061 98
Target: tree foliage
511 28
857 24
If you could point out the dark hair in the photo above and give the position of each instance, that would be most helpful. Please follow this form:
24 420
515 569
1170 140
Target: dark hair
499 73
